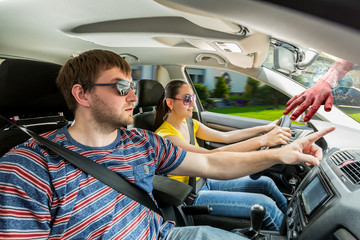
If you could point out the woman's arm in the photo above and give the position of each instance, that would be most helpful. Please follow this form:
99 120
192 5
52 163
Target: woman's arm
209 134
274 137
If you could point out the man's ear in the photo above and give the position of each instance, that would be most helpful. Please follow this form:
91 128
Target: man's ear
79 95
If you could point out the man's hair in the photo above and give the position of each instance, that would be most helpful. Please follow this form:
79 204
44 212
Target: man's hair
85 69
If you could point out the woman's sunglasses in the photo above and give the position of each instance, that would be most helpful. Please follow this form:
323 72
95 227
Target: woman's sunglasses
187 99
122 86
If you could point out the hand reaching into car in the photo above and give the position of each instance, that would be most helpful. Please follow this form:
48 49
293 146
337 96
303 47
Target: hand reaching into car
304 149
318 94
315 96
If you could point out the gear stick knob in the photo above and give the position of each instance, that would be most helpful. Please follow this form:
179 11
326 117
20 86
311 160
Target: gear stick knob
257 215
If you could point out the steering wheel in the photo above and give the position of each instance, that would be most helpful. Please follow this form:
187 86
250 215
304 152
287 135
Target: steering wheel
284 121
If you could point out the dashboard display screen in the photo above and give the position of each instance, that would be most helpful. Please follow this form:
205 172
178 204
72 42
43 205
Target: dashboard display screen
313 195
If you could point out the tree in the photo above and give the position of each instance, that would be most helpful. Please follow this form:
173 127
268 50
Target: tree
202 91
270 96
221 89
251 87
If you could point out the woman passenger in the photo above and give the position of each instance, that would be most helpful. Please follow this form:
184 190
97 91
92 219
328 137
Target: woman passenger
230 198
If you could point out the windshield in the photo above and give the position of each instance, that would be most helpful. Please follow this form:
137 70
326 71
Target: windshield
346 91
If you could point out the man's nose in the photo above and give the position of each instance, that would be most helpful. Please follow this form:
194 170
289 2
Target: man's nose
131 96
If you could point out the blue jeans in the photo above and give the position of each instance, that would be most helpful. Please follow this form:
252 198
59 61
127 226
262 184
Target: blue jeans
234 198
201 233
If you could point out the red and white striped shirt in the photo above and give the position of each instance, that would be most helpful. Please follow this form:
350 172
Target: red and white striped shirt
43 196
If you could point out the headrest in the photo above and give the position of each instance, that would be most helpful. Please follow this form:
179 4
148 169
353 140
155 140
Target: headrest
149 92
28 87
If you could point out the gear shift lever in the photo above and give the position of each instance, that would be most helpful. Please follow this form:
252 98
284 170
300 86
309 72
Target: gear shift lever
257 215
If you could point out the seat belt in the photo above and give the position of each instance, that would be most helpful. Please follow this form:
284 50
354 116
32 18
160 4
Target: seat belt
196 185
96 170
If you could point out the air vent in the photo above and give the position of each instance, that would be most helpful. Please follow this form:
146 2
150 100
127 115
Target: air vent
341 157
352 171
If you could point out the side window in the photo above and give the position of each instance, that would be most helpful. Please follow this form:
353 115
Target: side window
229 92
144 72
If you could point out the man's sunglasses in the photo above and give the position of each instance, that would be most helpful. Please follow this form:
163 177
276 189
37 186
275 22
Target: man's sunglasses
122 86
187 99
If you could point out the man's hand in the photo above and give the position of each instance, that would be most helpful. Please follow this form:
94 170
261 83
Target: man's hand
304 149
315 96
278 135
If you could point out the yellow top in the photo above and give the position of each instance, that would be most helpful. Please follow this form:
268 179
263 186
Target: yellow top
166 129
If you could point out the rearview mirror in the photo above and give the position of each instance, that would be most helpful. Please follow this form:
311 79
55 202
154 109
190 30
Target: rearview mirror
284 59
290 59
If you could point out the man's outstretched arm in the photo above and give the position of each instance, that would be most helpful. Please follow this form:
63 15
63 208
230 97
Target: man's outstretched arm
230 165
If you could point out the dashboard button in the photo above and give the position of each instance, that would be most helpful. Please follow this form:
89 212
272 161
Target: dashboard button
294 235
291 223
289 211
299 228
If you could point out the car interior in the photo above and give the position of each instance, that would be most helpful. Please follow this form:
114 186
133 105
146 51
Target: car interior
275 42
46 110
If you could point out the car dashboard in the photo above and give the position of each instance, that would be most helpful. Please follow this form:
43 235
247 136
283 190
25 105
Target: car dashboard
325 205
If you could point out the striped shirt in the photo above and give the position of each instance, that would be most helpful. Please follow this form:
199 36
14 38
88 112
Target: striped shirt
43 196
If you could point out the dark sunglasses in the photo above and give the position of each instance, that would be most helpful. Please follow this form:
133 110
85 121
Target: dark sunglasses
122 86
187 99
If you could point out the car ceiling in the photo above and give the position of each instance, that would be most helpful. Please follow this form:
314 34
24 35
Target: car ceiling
164 31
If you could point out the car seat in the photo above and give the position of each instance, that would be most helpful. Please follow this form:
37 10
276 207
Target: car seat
29 97
149 92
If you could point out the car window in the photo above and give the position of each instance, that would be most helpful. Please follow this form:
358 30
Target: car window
346 92
229 92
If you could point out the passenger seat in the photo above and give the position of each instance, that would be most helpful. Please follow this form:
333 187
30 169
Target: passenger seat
29 97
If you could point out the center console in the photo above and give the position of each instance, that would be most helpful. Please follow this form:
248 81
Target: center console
326 203
314 194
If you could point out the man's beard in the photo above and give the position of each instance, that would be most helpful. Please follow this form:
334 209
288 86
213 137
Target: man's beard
106 116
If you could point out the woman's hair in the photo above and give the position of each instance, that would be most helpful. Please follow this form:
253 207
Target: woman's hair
162 109
85 69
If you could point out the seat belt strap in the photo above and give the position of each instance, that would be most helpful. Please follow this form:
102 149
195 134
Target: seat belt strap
96 170
196 185
190 125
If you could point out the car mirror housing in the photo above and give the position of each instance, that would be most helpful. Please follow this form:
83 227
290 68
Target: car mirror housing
290 59
284 59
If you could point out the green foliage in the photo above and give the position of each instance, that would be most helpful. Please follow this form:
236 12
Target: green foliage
202 91
266 112
221 89
269 95
251 87
257 94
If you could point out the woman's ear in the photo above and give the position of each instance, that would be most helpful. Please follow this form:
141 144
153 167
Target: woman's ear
169 103
79 95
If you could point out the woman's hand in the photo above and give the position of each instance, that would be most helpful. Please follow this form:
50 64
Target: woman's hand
277 136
